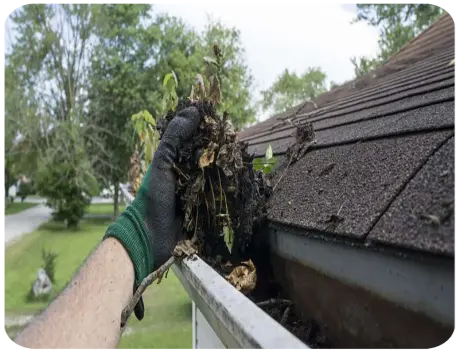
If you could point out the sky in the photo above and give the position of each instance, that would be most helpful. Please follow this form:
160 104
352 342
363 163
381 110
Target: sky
277 35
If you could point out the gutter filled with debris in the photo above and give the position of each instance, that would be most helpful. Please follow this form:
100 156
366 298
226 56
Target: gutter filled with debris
235 320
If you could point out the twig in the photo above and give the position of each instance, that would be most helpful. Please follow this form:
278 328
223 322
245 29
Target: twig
147 281
280 178
221 190
285 315
176 168
272 301
158 274
341 207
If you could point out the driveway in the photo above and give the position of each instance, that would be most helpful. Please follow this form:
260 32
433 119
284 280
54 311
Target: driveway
27 221
35 199
24 222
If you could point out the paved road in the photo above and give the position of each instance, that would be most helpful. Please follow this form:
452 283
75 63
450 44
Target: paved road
34 199
25 222
17 225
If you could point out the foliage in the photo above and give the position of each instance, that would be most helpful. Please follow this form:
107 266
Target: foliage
266 164
117 87
290 89
49 264
170 84
50 53
48 61
65 175
363 65
145 124
398 24
189 53
236 81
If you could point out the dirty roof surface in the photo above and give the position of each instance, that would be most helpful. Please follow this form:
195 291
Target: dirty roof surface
382 171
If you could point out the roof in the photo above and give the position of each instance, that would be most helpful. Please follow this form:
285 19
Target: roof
382 169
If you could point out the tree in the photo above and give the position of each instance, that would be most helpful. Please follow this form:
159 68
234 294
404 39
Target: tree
20 111
181 49
289 89
119 86
49 59
65 175
398 23
236 80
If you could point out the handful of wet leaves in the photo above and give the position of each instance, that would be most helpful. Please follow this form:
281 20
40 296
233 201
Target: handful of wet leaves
222 197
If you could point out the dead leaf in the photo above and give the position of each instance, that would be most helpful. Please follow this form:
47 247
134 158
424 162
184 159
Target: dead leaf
206 158
184 248
214 90
435 220
243 277
209 120
454 61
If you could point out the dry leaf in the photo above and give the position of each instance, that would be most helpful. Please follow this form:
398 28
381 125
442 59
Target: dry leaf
243 277
435 220
206 158
454 61
214 90
208 155
184 248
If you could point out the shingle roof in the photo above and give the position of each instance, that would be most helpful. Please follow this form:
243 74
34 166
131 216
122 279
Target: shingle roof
383 143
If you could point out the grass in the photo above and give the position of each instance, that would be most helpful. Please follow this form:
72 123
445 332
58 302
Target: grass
167 321
14 208
103 209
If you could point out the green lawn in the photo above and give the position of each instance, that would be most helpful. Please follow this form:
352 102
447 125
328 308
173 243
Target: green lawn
102 209
167 321
14 208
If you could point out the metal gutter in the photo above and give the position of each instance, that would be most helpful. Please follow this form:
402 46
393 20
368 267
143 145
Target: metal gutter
419 285
236 321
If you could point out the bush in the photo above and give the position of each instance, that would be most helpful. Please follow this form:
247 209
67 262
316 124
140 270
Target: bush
49 260
49 264
65 177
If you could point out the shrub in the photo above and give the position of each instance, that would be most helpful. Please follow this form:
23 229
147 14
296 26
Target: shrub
49 261
49 264
65 177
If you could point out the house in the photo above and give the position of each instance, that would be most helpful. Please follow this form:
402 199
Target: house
361 228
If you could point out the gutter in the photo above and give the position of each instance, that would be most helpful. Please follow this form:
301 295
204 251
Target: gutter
235 321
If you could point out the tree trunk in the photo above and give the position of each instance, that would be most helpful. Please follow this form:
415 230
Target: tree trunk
115 200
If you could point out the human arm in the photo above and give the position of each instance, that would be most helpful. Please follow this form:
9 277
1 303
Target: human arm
88 312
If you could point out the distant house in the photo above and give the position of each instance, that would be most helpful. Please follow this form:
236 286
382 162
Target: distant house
362 227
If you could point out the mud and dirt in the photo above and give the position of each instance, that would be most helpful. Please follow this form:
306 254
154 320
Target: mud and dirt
225 205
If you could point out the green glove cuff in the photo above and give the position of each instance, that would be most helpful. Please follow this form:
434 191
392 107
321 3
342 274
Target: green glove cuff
130 229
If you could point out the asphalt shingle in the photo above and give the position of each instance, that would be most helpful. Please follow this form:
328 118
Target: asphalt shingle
373 160
422 216
361 179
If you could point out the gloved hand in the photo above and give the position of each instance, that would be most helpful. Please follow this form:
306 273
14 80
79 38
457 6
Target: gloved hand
149 228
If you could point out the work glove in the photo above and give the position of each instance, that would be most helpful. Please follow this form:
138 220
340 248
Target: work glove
150 227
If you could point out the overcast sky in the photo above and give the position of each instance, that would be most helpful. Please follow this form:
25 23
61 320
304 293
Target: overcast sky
293 34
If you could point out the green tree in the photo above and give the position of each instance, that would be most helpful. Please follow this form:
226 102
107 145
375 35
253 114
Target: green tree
20 151
65 175
48 59
236 80
181 49
290 89
118 87
398 23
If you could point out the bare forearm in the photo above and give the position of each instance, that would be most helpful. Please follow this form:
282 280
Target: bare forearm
87 314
